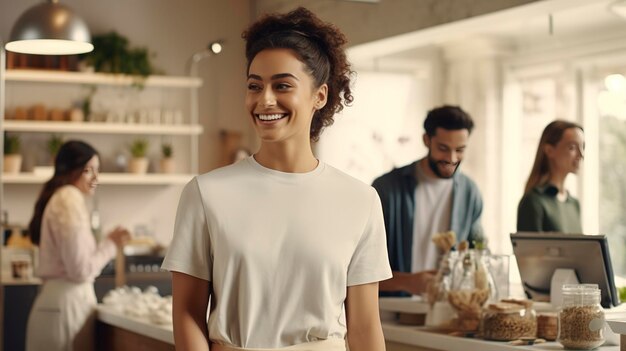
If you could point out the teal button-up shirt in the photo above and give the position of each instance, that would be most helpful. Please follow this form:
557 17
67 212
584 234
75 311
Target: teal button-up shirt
397 194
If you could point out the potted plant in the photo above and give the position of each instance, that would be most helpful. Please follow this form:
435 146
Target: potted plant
139 162
54 144
12 156
167 162
112 54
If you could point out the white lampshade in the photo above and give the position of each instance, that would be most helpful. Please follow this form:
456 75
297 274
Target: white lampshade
50 29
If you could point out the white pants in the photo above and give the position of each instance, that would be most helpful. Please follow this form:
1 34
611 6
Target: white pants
325 345
62 317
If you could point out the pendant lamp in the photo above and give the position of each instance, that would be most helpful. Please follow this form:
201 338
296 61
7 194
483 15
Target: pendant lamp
50 28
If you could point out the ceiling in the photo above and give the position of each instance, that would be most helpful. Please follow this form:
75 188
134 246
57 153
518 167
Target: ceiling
525 27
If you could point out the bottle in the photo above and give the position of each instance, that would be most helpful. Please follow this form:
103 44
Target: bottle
581 318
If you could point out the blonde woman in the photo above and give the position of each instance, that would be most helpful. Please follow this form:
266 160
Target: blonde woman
546 205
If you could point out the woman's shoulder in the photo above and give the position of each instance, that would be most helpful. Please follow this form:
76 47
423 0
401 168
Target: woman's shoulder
67 202
346 182
67 194
533 197
224 173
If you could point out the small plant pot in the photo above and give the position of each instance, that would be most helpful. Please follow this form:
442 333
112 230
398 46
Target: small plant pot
138 165
167 165
12 163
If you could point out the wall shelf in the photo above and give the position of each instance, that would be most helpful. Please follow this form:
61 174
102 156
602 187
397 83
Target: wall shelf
100 128
100 79
105 178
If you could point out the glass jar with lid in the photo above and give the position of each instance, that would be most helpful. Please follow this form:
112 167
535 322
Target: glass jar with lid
509 320
471 287
581 318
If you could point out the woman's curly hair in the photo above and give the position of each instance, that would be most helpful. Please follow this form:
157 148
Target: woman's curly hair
319 45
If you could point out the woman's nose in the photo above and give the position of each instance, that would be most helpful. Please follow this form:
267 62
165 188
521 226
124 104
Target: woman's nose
269 99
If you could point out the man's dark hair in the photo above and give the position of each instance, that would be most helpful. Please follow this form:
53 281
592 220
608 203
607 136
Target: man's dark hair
447 117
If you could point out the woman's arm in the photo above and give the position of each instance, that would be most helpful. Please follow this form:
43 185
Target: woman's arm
190 299
364 330
529 215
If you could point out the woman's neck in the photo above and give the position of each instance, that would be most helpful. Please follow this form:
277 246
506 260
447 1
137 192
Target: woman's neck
558 180
286 157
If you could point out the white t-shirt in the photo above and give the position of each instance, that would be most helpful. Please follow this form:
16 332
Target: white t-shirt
280 250
433 204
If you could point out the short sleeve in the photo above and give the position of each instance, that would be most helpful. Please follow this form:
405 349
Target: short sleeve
370 262
190 249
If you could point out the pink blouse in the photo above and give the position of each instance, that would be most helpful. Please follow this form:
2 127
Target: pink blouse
67 248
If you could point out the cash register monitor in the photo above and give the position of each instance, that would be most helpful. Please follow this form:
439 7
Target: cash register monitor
539 254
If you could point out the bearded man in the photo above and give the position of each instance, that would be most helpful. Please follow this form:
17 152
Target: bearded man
427 197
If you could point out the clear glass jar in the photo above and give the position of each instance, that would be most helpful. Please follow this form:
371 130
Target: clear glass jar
441 313
581 318
509 320
471 287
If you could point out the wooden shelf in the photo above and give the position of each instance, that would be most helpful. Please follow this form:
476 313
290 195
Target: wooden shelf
100 79
100 128
105 178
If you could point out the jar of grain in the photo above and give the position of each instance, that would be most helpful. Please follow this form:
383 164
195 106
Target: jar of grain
547 326
509 320
581 318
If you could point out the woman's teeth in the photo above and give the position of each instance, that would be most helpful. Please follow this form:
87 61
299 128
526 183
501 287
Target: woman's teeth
271 117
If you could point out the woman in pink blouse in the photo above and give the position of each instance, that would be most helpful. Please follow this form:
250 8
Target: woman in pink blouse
62 317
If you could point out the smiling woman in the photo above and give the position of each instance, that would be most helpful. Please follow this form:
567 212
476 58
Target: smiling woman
547 206
69 257
297 263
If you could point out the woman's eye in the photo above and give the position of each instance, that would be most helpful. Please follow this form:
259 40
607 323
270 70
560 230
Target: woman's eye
253 87
282 86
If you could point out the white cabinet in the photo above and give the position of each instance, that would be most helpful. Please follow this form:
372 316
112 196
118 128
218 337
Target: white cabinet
117 103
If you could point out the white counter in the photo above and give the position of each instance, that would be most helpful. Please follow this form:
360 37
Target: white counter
140 326
421 337
402 334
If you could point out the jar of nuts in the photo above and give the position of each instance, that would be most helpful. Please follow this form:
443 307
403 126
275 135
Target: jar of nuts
581 318
509 320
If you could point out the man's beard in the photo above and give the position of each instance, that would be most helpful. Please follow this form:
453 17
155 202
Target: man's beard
433 166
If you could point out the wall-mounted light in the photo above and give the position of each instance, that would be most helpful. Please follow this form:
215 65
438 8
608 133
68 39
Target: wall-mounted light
50 28
618 8
615 83
214 48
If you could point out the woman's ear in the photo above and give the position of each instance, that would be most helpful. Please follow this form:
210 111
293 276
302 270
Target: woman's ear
321 97
548 150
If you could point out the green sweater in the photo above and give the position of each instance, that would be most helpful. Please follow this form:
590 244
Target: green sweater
541 211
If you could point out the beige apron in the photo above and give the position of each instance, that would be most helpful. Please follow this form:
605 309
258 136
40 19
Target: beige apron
62 317
324 345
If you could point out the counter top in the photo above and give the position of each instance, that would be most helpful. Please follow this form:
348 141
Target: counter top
421 336
144 327
413 304
394 332
8 280
618 326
